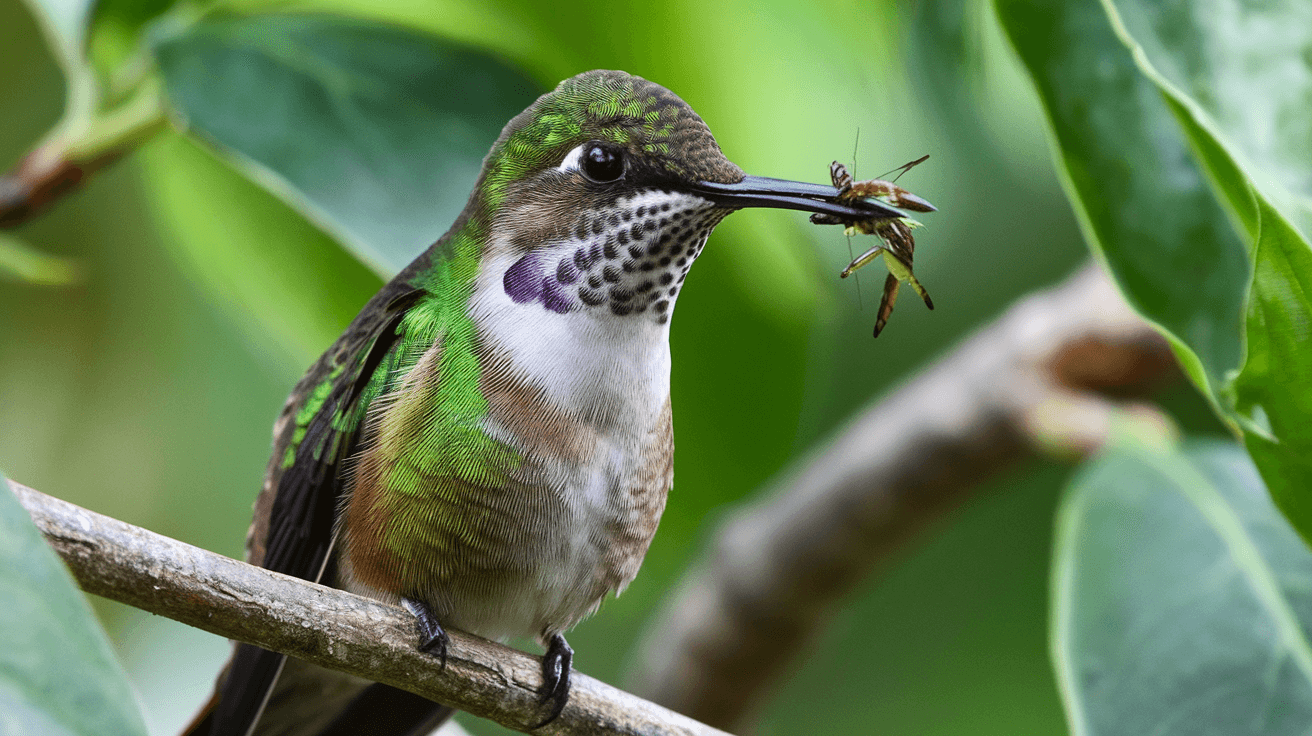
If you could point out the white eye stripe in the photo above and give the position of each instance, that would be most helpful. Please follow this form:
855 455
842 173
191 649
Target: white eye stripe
572 159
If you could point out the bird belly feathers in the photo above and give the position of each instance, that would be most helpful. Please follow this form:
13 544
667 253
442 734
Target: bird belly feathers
533 546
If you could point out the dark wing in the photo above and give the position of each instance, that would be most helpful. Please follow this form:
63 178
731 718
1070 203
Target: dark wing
306 474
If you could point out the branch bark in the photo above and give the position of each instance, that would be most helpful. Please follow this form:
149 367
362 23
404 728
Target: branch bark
1041 378
328 627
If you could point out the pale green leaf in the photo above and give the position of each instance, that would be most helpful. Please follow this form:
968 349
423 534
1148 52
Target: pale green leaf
20 261
1182 600
285 283
57 673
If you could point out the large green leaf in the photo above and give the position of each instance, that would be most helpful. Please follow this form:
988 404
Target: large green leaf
1274 390
1245 67
1226 71
286 284
1182 600
57 673
376 132
1145 203
1176 188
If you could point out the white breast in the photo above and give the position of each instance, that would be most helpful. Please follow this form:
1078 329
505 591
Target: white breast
613 373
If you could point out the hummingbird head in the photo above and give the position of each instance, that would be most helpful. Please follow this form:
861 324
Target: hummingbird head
604 191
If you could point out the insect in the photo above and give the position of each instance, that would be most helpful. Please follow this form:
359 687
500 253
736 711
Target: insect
897 243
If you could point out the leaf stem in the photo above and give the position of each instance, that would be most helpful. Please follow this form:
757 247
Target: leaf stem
78 146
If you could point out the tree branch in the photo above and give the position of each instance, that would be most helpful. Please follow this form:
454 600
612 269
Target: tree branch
1037 379
326 626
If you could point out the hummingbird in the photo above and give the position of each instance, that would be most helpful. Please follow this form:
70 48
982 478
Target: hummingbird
489 444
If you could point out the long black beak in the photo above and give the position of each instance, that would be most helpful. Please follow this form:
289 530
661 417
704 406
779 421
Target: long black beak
761 191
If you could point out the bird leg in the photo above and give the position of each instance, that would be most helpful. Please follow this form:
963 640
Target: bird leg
432 638
556 666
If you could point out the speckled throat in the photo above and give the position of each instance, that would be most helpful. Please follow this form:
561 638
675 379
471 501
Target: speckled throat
630 257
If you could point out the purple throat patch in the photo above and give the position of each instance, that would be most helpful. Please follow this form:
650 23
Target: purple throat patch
528 281
627 263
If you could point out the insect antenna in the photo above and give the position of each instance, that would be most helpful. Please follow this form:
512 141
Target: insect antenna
851 255
904 168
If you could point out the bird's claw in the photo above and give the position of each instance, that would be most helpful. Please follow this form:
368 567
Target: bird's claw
432 638
557 664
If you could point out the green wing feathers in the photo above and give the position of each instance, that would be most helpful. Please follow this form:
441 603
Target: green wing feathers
426 466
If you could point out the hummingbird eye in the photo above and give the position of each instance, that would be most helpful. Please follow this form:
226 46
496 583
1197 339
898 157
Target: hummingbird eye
602 163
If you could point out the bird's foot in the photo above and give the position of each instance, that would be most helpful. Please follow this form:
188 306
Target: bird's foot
556 666
432 638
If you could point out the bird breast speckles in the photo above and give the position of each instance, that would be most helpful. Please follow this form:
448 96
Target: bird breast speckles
629 258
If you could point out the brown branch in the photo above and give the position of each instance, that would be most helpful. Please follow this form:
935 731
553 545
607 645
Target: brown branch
1037 379
83 143
42 178
326 626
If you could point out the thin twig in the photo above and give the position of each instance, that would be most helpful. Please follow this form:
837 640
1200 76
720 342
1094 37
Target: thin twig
328 627
82 144
1037 379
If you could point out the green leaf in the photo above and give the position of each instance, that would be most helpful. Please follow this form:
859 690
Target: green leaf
1271 395
1237 96
57 673
289 287
1145 204
375 132
1247 69
499 26
1174 159
22 262
1181 599
1274 389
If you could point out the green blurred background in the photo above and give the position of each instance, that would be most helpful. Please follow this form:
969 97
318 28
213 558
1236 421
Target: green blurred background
147 391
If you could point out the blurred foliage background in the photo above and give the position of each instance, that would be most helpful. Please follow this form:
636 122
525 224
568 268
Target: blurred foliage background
146 390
